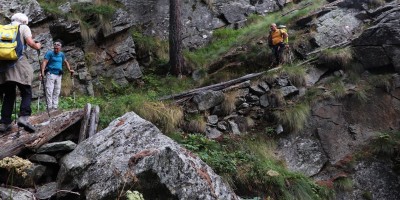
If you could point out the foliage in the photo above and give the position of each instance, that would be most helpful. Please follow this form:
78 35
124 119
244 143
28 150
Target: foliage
150 44
336 87
381 81
386 144
336 58
295 74
50 6
343 184
367 195
196 124
294 116
228 105
246 165
168 117
135 195
15 163
203 57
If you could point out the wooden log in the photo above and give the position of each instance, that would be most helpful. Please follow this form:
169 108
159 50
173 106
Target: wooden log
85 122
94 120
14 141
215 87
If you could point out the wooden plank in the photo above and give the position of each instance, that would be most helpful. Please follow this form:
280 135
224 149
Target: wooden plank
94 120
85 122
215 87
14 141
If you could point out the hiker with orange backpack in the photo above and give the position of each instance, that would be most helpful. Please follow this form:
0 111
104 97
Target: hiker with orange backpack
17 72
277 41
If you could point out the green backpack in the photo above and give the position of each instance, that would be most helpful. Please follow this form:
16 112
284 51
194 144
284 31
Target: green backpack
283 28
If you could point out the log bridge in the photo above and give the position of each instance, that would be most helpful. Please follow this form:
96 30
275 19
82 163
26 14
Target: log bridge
14 141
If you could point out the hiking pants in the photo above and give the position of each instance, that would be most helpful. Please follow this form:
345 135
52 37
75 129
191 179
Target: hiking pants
53 89
278 51
9 100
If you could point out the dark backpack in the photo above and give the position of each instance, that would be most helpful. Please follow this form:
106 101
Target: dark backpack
11 47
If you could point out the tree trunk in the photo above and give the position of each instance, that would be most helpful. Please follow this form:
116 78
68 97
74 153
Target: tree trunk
175 38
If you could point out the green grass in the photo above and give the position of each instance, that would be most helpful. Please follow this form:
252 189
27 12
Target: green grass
343 184
294 116
203 57
143 101
386 144
249 162
336 57
52 6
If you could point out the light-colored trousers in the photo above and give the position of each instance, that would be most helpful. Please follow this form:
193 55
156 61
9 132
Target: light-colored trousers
53 89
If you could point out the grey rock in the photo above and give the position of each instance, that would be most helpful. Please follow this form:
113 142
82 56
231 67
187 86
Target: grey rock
100 166
257 90
222 125
289 90
264 100
57 146
212 119
303 154
336 27
121 21
29 7
234 128
46 191
43 158
313 75
67 31
12 193
208 99
213 133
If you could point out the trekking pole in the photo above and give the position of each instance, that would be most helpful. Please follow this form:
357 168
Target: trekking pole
38 102
42 81
73 87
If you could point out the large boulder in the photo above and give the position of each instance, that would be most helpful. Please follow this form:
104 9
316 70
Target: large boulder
133 154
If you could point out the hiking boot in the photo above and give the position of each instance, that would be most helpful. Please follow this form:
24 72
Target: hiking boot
23 122
4 127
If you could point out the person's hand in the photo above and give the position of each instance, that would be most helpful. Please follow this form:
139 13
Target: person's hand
40 76
72 72
287 46
38 45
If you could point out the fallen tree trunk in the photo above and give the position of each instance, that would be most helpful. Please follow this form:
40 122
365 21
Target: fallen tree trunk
14 141
215 87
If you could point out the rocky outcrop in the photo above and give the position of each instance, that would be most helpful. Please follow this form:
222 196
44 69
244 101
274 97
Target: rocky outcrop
133 153
378 47
200 18
30 7
374 178
336 130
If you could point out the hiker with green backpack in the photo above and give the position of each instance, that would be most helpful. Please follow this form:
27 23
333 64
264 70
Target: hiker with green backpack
277 41
15 71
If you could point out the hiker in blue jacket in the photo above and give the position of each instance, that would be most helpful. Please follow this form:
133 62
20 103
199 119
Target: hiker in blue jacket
52 64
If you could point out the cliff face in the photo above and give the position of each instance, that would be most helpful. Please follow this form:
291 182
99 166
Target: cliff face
336 129
111 54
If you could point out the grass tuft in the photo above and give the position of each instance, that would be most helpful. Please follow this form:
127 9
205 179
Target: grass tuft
294 117
168 117
336 58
